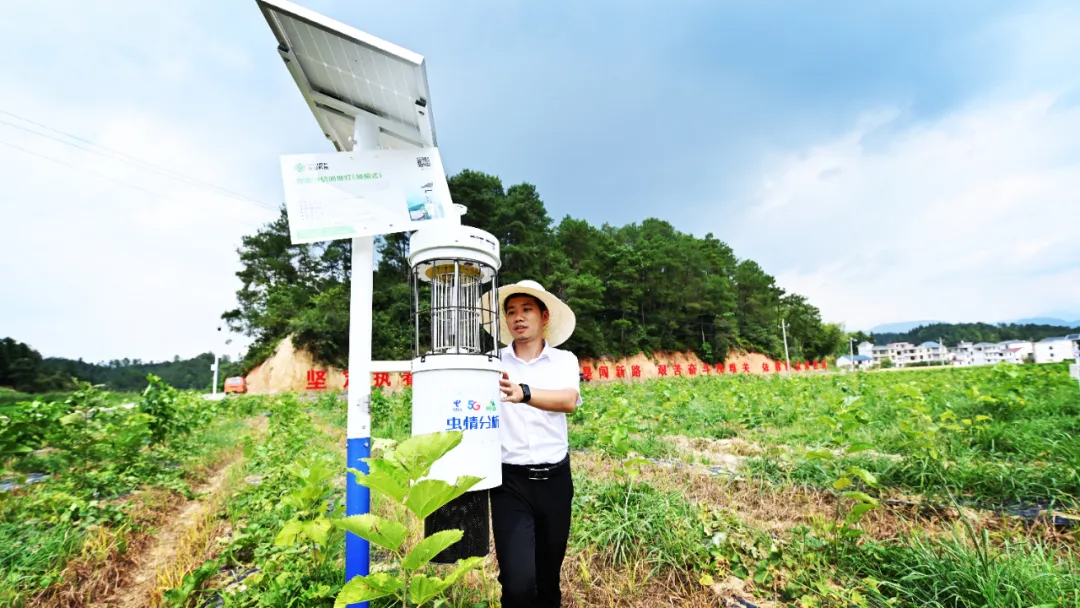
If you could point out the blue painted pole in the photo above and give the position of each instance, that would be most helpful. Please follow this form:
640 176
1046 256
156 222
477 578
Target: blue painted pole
357 502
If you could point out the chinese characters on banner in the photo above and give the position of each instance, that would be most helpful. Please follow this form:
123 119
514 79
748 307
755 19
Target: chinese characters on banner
670 370
317 380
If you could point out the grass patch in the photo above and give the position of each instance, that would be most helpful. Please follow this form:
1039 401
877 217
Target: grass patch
968 571
637 524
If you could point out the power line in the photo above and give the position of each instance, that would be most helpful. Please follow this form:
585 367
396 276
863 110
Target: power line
94 173
100 175
126 158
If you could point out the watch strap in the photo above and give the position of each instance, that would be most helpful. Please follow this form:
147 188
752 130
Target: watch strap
525 392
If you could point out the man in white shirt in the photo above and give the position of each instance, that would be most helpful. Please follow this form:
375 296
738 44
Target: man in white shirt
530 511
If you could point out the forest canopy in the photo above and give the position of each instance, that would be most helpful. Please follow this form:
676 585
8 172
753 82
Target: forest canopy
24 369
636 288
951 333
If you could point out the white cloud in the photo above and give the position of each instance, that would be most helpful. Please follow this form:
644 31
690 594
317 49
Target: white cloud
971 217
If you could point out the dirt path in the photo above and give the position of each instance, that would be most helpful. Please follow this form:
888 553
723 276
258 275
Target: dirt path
177 544
142 580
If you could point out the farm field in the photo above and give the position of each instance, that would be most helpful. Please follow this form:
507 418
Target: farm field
949 487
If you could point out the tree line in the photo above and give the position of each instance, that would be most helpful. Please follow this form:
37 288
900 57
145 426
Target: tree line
951 333
635 288
25 370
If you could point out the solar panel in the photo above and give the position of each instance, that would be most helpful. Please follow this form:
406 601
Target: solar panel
343 72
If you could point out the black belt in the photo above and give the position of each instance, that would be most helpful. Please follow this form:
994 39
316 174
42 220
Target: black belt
538 472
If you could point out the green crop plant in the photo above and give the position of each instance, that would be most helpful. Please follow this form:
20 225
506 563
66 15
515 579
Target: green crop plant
310 501
741 550
399 476
161 402
615 426
845 429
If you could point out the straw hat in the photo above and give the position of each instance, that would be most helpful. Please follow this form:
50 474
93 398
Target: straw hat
561 320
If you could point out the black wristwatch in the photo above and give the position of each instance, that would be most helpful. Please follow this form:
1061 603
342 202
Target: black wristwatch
526 393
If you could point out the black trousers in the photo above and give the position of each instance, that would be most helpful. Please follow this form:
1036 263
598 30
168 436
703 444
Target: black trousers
530 518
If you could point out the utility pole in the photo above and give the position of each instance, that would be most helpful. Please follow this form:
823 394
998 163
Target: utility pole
217 353
851 345
787 357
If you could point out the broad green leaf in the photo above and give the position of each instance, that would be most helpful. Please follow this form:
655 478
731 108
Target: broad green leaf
981 418
287 536
866 476
463 568
819 454
293 500
428 548
842 483
311 492
861 497
385 477
858 446
417 453
858 511
850 399
427 496
706 580
423 588
71 418
319 471
366 588
383 532
317 529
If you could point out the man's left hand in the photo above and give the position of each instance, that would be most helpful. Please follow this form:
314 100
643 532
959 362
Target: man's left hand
512 392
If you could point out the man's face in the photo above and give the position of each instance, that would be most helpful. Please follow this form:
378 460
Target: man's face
524 318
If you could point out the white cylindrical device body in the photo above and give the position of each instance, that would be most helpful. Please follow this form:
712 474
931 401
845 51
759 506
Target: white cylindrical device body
461 392
455 385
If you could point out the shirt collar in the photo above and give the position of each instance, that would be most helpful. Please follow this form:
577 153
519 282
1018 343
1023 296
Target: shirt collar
545 353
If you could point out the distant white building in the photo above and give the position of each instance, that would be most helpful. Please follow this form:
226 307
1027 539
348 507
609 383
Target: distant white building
1018 351
988 353
1050 350
1056 350
903 354
858 361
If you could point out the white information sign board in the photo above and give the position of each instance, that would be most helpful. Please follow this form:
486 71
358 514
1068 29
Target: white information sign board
344 195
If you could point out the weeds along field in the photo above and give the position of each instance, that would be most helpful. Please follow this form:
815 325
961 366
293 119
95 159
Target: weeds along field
85 478
949 487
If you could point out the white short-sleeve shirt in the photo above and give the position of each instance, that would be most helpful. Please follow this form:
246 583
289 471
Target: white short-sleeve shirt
531 435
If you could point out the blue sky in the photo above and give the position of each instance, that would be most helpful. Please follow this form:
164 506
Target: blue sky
891 161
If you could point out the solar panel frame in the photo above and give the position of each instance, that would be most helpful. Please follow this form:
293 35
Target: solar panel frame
343 72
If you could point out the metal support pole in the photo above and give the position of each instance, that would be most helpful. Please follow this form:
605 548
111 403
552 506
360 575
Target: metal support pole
216 366
358 426
787 357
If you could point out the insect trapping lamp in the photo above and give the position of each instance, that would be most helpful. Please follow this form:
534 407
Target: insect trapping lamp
456 369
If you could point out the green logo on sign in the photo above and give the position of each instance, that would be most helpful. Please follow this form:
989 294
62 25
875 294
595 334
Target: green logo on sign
299 167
